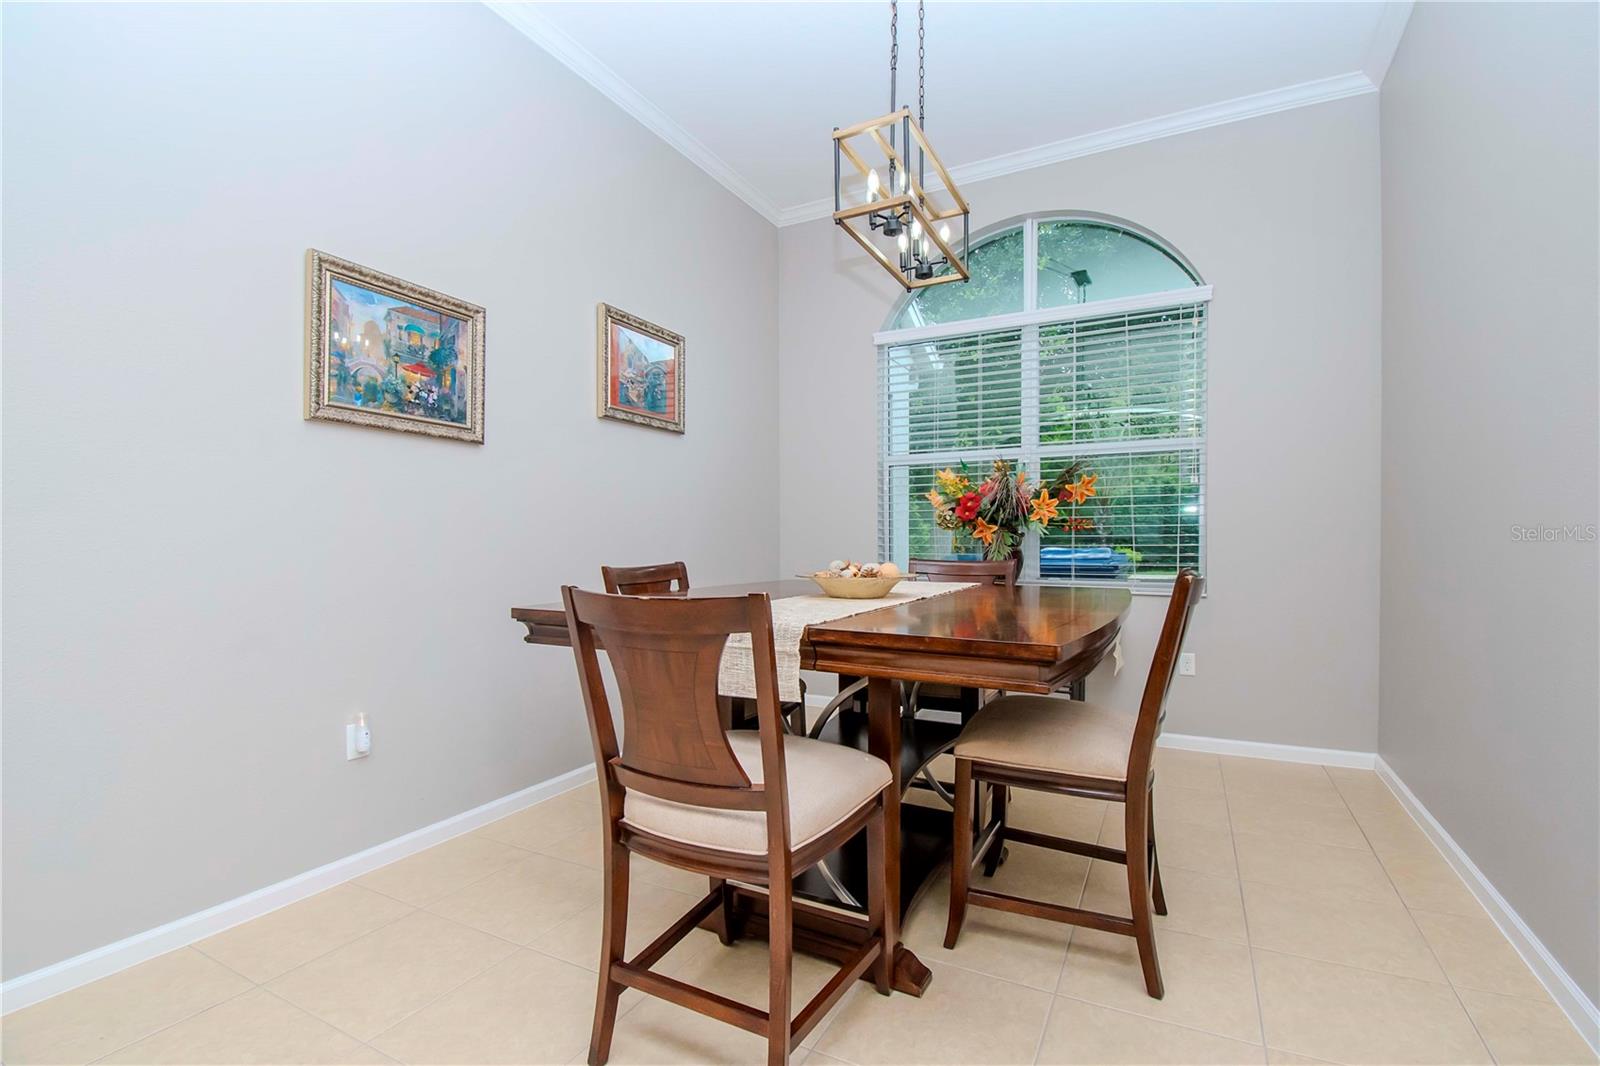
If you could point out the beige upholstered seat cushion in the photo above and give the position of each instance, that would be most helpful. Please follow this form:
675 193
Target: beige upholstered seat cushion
827 783
1051 733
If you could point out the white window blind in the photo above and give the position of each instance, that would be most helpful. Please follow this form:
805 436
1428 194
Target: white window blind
1118 388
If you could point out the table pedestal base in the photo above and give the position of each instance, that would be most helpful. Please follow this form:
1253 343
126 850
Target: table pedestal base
819 933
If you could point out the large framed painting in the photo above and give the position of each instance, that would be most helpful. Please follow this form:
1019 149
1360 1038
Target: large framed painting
391 354
641 371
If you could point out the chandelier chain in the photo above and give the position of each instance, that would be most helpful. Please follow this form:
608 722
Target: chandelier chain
922 55
894 52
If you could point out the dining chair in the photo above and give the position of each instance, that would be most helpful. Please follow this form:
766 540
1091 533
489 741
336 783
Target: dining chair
952 697
757 806
933 696
672 579
1002 572
656 580
1069 747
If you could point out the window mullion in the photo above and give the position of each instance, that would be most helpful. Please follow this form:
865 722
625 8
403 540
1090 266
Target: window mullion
1030 266
1030 433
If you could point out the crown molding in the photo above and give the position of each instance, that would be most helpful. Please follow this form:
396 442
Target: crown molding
1305 94
1386 38
587 66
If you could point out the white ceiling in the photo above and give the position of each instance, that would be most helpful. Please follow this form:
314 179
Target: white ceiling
751 91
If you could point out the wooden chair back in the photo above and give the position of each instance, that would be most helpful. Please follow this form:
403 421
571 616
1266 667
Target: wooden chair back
665 654
659 579
1153 706
1004 572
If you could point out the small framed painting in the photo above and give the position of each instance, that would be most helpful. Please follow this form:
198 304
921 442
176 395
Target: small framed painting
641 371
390 354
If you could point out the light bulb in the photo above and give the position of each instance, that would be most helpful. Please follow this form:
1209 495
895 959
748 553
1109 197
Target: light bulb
873 184
904 244
916 230
944 233
905 181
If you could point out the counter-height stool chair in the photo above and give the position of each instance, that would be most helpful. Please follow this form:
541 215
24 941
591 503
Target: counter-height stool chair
758 806
669 579
659 579
1077 749
952 697
933 696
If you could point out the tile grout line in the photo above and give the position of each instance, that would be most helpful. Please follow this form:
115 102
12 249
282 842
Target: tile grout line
638 1001
313 1014
1434 955
186 1018
461 888
1244 911
1044 1030
1066 955
337 947
1188 1026
453 988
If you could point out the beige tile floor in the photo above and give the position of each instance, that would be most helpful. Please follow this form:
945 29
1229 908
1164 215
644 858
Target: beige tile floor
1311 921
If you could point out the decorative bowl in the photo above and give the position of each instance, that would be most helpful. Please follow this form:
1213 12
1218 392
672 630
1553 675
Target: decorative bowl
855 588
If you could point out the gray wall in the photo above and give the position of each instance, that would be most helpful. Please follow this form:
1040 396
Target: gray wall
1280 214
199 586
1490 687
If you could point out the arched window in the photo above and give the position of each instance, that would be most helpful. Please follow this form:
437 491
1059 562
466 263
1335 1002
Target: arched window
1079 340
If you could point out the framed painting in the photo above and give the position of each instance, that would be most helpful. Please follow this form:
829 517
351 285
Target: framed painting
390 354
641 371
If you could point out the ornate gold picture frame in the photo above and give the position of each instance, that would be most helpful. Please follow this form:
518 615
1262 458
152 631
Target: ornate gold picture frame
389 354
641 371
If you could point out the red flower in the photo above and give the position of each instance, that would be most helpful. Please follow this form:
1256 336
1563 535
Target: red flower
967 507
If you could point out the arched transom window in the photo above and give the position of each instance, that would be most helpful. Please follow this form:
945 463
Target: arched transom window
1079 340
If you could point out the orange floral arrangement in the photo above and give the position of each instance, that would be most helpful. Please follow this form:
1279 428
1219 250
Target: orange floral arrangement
1000 510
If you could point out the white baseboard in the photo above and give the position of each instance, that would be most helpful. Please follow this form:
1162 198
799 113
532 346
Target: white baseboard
31 988
1254 749
1563 989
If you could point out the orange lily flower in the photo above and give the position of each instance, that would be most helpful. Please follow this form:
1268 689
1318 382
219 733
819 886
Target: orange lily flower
1043 507
984 531
1082 489
935 499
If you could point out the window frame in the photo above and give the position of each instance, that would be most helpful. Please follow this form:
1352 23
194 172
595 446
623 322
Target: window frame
1030 452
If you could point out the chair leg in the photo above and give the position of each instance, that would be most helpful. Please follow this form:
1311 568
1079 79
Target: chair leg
1155 864
877 897
961 860
613 949
996 852
780 940
1137 829
724 913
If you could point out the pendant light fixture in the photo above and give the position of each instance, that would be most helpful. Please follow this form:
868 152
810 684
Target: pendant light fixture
897 221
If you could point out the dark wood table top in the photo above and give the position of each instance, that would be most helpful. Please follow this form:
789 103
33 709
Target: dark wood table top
1031 638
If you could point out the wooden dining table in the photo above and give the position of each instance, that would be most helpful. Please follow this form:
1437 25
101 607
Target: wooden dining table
1028 638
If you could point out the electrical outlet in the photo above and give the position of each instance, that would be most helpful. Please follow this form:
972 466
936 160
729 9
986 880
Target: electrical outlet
1186 664
357 739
